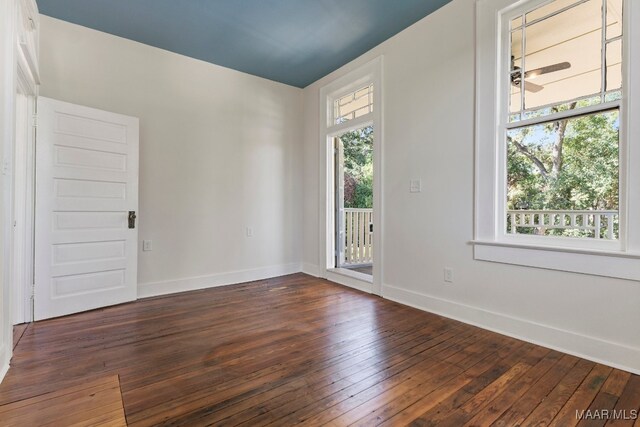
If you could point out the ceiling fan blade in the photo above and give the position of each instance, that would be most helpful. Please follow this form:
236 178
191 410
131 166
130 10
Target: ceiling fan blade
532 87
548 69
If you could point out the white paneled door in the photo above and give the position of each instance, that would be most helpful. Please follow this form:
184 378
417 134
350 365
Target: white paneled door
86 202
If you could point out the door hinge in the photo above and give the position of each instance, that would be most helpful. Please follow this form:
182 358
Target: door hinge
35 121
32 302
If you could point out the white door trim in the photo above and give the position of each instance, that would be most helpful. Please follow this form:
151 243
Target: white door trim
8 20
369 72
27 81
23 209
18 37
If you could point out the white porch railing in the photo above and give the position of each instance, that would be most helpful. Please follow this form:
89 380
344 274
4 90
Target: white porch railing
601 223
358 243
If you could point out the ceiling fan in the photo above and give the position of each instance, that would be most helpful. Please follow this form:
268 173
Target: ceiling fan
516 74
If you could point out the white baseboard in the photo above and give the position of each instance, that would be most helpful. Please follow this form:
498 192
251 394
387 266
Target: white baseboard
310 269
3 371
597 350
4 363
165 287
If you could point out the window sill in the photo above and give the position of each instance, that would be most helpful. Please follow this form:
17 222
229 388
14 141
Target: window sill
614 264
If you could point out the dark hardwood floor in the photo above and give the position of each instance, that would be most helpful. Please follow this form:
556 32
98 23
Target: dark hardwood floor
297 349
92 403
18 331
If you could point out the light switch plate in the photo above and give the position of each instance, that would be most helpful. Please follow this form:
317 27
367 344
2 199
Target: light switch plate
448 275
415 186
147 245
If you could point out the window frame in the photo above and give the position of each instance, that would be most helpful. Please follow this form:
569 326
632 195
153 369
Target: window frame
492 111
335 100
505 125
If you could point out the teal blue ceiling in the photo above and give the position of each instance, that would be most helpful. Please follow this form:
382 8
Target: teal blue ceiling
290 41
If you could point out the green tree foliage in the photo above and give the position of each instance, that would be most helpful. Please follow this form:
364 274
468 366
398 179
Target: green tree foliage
358 168
565 165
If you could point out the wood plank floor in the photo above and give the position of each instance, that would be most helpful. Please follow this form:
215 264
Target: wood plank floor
297 349
92 403
18 331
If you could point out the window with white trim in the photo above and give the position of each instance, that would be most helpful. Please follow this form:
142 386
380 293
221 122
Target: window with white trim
347 105
556 161
561 120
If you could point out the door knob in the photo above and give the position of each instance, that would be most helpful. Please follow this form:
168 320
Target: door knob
132 219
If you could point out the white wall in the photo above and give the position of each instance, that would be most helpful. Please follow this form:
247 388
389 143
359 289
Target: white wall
428 109
220 151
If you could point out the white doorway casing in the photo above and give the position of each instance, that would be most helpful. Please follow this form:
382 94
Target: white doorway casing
23 157
23 208
19 78
86 187
369 73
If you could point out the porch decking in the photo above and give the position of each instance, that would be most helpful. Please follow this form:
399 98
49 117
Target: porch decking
368 269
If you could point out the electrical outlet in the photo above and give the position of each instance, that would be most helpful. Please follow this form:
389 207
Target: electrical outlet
147 245
448 275
249 232
415 186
